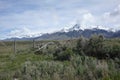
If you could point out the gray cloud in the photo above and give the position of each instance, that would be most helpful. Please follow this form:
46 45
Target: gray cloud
116 12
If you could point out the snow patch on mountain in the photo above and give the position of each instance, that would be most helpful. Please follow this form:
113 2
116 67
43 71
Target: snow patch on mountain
76 27
27 33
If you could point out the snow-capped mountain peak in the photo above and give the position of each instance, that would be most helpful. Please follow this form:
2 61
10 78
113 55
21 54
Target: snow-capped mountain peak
76 27
64 30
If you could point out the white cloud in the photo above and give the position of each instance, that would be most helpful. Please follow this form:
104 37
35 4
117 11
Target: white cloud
107 20
23 32
116 11
113 14
87 20
112 18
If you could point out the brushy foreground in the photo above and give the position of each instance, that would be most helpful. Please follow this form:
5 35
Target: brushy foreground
93 59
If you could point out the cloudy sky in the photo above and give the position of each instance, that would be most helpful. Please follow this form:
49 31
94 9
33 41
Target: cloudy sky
24 17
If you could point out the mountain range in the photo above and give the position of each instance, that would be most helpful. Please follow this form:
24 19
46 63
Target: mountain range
73 32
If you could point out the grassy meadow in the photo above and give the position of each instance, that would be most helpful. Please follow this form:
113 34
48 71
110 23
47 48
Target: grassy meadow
96 58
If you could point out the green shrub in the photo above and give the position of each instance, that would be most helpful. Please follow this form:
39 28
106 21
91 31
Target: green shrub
64 54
